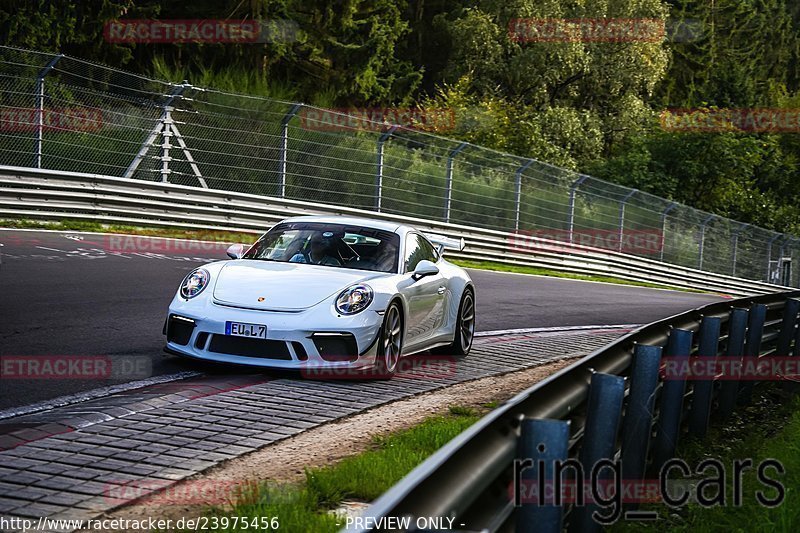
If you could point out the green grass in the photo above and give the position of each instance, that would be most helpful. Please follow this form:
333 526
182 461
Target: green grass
521 269
306 506
768 428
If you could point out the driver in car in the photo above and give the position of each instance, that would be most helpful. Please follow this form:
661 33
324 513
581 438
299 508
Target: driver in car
319 254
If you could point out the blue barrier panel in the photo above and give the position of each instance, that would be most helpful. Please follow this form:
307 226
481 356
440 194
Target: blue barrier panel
703 390
729 388
752 348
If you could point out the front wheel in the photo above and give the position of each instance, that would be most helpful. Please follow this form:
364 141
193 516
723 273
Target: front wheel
390 344
465 327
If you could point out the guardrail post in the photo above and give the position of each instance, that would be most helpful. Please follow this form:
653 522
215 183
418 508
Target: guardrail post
736 247
679 345
638 423
572 190
379 175
788 324
604 409
729 388
664 214
448 180
769 256
544 442
177 90
518 191
622 204
37 150
284 152
752 348
703 390
702 245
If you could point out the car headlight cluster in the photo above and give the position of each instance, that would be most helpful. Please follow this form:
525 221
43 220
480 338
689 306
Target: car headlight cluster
354 299
194 283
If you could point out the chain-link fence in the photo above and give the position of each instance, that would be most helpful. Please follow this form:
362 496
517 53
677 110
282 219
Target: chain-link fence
61 113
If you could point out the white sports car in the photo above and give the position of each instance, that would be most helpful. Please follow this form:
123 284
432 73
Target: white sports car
326 291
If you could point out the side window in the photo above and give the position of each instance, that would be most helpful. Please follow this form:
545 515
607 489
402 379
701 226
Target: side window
418 249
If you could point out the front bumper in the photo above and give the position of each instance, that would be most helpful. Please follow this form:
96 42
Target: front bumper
309 339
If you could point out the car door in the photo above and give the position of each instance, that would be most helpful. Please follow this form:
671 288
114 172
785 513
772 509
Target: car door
425 296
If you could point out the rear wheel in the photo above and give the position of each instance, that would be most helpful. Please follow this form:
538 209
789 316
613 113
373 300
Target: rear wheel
390 344
465 327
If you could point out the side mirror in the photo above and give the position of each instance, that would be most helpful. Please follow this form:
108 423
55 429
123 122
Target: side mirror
235 251
424 268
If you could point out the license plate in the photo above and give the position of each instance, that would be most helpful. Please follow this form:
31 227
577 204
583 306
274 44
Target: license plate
238 329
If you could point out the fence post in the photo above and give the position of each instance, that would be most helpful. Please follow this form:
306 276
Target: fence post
703 390
39 91
543 442
177 91
664 214
379 175
769 255
622 204
729 388
638 423
736 247
752 348
572 189
703 239
518 191
679 345
604 409
448 180
284 152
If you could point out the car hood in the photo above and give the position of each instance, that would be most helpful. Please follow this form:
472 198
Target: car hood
281 286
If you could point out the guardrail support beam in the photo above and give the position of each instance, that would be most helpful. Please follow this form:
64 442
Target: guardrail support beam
703 390
379 174
37 149
544 442
638 423
284 151
729 388
572 191
518 191
752 348
448 180
679 345
604 409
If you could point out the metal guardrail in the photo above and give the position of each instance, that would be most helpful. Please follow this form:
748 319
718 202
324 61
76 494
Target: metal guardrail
578 412
65 114
55 195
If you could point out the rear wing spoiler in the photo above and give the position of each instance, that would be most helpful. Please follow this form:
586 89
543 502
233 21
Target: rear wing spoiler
441 242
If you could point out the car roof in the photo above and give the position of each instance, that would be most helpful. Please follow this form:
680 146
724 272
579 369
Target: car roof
354 221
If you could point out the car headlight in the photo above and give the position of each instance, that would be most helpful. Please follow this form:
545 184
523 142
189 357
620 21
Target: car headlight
194 283
354 299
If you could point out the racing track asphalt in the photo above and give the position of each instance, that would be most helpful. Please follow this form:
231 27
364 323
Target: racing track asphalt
70 293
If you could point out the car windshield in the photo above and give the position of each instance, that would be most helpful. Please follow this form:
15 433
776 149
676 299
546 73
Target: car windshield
336 245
